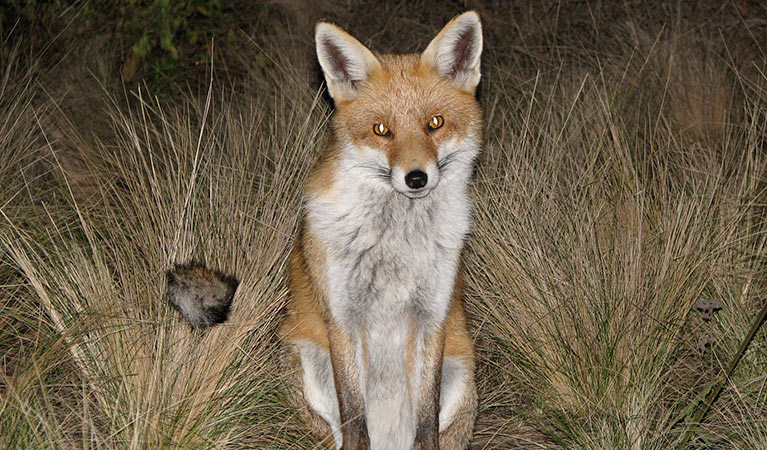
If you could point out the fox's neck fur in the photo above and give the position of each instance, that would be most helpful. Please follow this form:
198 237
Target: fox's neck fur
390 267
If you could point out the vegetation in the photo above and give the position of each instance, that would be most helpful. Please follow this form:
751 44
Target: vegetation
623 180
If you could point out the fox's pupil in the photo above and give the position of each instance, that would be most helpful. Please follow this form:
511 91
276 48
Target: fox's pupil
380 129
436 122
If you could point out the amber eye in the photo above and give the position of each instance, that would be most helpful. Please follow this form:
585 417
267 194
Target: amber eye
436 122
381 130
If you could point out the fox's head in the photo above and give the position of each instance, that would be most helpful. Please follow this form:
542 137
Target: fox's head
401 119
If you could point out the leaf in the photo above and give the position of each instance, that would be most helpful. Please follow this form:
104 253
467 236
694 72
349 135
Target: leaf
166 43
142 47
192 36
131 67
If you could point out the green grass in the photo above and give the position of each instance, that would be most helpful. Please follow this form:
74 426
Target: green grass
622 180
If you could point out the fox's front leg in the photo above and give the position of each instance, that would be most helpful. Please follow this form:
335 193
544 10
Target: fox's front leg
349 391
427 428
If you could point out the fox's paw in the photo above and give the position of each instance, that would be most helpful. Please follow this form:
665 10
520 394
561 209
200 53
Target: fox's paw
202 296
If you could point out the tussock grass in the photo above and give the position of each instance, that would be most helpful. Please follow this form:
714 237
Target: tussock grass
590 251
623 180
215 181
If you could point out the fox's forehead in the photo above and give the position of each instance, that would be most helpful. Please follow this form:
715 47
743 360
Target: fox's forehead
402 64
403 86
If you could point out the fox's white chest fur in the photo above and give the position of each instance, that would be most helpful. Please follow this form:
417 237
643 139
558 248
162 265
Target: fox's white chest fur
391 262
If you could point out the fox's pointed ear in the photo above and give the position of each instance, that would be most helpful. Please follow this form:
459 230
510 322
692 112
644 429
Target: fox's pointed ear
344 60
455 52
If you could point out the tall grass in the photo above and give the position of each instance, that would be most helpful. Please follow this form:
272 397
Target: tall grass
608 205
611 196
590 252
215 180
25 338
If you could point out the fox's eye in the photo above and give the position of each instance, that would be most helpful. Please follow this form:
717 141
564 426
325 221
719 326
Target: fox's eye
436 122
381 130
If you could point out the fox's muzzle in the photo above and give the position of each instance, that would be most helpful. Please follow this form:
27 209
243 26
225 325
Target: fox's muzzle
417 182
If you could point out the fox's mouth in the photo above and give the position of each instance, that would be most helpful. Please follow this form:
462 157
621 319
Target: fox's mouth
421 193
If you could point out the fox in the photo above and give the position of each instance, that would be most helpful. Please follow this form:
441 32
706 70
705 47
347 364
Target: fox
375 325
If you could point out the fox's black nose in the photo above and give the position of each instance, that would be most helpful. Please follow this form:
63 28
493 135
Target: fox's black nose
416 179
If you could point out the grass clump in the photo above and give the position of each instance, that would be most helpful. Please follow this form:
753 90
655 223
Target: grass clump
207 181
591 249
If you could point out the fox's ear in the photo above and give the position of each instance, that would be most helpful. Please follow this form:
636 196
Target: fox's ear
344 60
455 52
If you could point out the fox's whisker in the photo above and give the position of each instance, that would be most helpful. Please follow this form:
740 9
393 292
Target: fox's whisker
373 167
447 160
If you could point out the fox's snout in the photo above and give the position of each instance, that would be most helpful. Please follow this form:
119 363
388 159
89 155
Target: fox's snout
415 182
412 157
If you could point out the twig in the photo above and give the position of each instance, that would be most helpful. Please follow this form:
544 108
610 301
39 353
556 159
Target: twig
716 389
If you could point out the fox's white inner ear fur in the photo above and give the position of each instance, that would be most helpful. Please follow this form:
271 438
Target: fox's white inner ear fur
344 60
455 52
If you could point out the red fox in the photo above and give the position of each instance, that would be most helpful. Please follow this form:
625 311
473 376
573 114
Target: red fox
376 324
